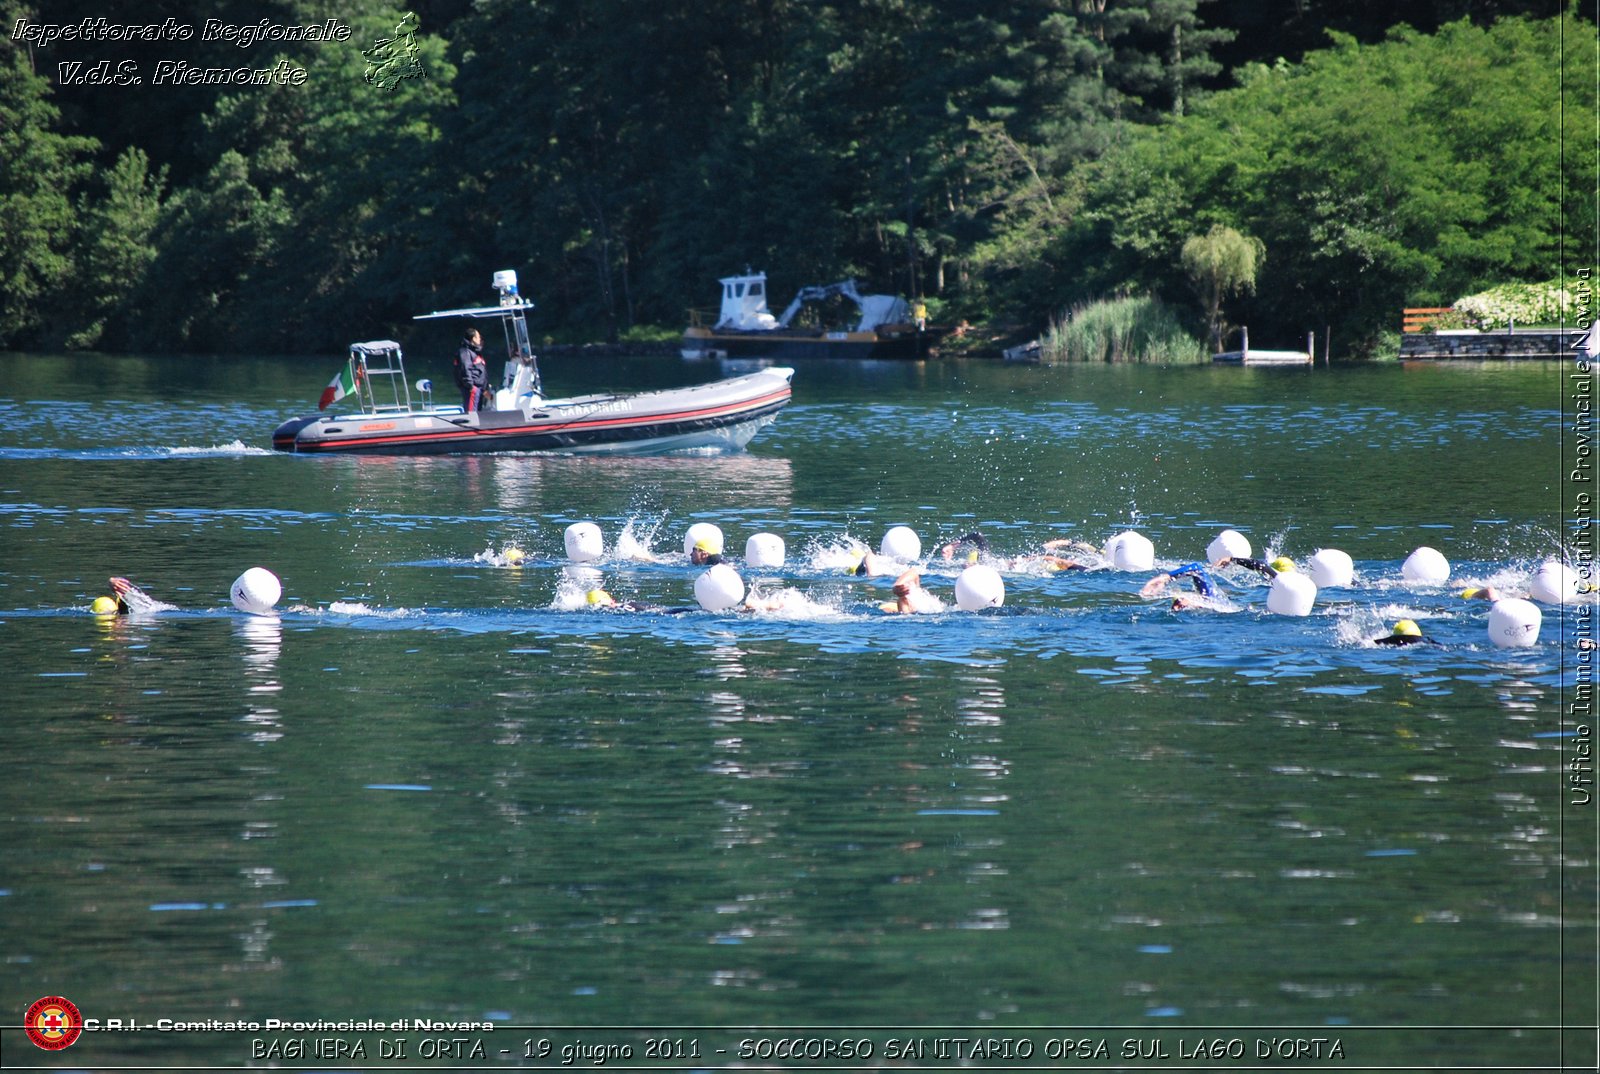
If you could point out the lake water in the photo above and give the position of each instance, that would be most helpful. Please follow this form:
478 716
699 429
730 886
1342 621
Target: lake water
437 788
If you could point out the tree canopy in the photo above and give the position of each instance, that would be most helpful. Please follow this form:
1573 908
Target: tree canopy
1004 161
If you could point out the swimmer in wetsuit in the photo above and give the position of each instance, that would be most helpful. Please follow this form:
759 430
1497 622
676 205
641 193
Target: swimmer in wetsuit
1195 572
1405 632
969 545
706 553
1281 565
599 598
131 600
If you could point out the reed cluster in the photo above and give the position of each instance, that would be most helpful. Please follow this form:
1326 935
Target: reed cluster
1132 329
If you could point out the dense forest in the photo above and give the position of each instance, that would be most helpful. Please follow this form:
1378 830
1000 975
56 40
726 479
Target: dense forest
1002 160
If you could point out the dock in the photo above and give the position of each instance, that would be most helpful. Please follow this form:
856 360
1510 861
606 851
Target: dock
1246 355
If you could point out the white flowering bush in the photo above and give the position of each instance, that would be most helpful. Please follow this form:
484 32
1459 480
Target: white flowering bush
1516 303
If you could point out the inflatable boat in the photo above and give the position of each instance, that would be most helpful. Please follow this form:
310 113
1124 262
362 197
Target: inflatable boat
388 420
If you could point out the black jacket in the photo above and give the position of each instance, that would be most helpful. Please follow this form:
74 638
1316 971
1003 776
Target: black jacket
470 370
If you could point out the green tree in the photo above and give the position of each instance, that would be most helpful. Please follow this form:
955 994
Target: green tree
117 248
39 171
1221 263
327 215
1381 175
222 242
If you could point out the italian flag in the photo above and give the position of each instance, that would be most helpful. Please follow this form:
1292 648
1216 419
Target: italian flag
340 386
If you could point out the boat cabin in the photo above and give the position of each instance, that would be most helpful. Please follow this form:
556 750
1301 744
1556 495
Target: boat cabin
744 303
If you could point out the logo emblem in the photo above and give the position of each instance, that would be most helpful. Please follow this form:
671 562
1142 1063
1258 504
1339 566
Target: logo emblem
53 1023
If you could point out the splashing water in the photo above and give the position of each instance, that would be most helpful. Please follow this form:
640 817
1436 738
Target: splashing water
637 536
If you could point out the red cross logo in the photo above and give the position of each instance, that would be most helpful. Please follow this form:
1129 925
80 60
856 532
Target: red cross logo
53 1023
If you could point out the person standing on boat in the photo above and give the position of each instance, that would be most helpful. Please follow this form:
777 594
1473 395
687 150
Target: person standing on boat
472 373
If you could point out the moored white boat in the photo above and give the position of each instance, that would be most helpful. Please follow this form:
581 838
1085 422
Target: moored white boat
887 327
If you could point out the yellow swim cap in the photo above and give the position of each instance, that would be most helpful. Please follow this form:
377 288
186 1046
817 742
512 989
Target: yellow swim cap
708 546
514 556
599 596
104 606
972 556
1283 565
1407 628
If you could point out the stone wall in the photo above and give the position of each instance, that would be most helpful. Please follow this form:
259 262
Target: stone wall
1502 343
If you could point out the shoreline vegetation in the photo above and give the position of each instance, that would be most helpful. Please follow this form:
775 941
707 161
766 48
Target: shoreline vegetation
1133 329
1020 168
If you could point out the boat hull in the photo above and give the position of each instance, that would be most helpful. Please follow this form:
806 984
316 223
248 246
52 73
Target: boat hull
783 345
723 415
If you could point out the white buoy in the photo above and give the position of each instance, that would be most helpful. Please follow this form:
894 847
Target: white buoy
1229 544
584 542
707 532
979 587
256 591
1554 583
1130 551
1292 593
764 550
1514 622
719 588
1426 565
1331 568
901 543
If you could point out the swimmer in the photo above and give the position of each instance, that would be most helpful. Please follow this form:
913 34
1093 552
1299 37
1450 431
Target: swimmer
131 600
511 556
1049 563
910 598
1071 543
969 546
1281 565
872 565
781 600
1484 592
706 553
1405 632
599 598
973 547
1195 572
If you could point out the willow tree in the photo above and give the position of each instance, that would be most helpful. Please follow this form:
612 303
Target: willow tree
1222 262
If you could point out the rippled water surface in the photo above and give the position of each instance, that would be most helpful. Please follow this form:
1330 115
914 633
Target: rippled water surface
439 787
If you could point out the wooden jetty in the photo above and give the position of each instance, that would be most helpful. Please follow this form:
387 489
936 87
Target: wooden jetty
1246 355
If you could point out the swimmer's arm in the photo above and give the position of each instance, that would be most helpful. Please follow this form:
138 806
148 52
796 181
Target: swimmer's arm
1249 564
1069 543
1155 585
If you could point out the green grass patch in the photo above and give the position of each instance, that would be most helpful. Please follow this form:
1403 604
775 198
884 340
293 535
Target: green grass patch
1136 329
